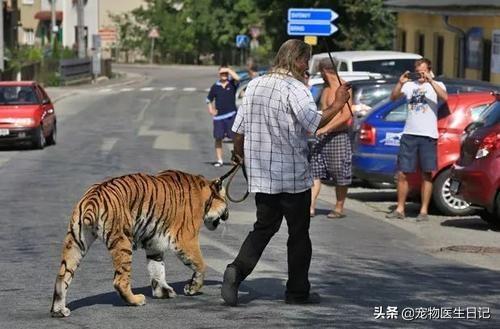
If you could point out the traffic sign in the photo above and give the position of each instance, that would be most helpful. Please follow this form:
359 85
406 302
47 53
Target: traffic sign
242 41
311 21
311 14
153 34
317 29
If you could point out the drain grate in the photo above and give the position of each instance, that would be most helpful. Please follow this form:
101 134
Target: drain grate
472 249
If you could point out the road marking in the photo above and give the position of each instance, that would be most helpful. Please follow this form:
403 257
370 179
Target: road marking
141 114
207 90
170 140
4 161
107 145
189 89
107 90
168 88
126 89
147 89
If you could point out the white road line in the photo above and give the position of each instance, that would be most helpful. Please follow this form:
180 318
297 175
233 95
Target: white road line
168 88
107 90
189 89
147 89
4 161
107 145
141 114
207 90
126 89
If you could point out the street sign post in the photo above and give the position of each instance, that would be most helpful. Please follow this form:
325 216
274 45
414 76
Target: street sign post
153 35
242 41
311 21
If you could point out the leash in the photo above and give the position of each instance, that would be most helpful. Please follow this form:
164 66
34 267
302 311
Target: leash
230 175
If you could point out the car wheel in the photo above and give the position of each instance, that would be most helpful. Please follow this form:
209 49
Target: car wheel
39 139
492 218
444 201
51 140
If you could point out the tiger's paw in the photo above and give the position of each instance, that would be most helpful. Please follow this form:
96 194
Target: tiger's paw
60 313
164 292
137 300
192 288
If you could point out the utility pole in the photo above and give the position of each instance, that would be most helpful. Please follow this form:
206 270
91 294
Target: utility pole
81 29
2 68
53 27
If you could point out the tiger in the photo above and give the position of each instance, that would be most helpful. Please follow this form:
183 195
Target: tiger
152 212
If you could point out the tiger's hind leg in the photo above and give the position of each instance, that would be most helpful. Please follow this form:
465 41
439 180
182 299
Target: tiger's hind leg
156 269
75 246
190 254
121 252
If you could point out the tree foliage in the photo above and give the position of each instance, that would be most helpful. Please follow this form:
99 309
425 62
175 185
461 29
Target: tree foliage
191 28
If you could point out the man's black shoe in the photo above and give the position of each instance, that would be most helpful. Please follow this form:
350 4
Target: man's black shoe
230 284
313 298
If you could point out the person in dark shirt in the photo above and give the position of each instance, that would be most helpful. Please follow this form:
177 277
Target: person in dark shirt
221 102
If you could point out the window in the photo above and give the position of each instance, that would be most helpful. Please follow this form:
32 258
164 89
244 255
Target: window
476 111
439 57
491 115
402 40
29 37
398 114
420 43
343 66
18 96
386 66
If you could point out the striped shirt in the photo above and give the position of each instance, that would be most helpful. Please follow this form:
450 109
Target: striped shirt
275 116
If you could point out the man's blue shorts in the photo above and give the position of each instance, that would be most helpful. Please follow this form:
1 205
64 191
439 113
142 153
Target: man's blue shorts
415 150
222 128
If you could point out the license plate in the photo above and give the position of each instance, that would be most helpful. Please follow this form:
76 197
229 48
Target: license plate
4 132
454 186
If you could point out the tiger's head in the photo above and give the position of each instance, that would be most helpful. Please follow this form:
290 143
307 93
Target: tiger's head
216 205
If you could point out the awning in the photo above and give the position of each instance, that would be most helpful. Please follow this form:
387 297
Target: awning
46 15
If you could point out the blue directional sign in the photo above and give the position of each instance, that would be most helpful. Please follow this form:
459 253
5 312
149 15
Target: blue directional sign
311 14
311 21
242 41
326 29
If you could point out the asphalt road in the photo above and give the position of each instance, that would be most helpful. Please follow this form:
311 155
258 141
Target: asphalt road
160 122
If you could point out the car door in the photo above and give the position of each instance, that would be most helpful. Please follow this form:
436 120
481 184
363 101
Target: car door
48 115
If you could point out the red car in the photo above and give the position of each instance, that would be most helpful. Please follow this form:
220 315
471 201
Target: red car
26 114
462 109
476 175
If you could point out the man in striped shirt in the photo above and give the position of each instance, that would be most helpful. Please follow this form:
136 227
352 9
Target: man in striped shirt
271 128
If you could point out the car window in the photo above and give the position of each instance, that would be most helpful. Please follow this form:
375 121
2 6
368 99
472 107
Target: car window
461 88
391 67
18 95
476 111
491 115
372 96
398 114
343 66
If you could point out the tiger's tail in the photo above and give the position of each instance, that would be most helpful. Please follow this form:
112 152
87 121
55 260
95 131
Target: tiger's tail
78 240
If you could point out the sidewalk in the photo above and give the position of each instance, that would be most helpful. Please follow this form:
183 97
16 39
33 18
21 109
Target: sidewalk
456 238
124 79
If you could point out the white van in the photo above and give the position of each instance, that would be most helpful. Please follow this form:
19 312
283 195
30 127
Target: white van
375 61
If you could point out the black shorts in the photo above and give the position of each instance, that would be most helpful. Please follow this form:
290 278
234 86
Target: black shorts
421 150
222 128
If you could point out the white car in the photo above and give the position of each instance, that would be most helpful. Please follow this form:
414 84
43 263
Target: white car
376 61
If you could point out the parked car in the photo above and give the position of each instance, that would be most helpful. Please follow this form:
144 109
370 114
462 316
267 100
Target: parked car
377 144
26 114
476 174
375 61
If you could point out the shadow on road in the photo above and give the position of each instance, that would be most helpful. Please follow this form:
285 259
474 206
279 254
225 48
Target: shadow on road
474 223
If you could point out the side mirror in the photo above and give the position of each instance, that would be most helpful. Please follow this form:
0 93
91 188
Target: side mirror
45 101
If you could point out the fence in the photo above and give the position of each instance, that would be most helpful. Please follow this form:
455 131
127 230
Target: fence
75 70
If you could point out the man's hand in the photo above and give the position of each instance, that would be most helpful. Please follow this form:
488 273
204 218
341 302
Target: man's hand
404 78
342 95
427 76
213 112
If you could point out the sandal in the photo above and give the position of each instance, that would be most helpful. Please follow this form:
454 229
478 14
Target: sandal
335 214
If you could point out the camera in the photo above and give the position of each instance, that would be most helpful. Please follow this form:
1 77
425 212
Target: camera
414 75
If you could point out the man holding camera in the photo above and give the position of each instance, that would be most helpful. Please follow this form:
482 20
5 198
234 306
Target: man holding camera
418 146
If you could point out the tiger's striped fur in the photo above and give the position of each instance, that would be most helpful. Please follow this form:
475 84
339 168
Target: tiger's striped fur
154 212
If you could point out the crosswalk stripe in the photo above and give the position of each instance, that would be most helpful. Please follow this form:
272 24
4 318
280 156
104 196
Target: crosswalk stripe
168 88
189 89
207 90
147 89
126 89
107 90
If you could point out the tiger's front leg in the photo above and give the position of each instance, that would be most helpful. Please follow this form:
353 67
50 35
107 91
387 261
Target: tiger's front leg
190 254
156 269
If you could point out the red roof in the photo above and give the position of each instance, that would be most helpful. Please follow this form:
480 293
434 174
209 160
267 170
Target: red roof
46 15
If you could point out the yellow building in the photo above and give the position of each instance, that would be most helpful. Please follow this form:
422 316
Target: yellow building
460 37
